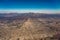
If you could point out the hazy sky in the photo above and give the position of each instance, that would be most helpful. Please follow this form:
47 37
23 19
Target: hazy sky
29 4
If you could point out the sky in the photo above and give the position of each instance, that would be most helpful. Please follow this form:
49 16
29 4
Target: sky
30 5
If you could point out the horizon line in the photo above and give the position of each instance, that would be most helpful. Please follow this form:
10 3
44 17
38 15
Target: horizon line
30 10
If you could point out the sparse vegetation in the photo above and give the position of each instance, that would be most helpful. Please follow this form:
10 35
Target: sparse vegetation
30 27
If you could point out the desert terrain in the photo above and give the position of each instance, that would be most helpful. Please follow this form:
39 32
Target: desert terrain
29 26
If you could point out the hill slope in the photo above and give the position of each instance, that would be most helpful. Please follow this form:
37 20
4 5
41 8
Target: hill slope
30 26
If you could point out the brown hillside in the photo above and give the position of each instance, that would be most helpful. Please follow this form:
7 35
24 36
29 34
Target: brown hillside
30 29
